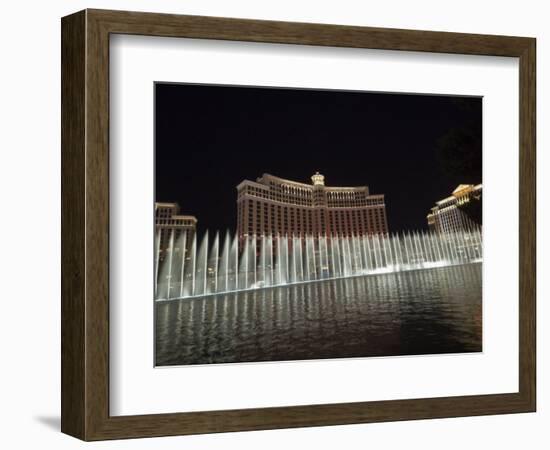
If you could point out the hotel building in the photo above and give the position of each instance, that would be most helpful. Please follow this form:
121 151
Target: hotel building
273 205
168 221
447 216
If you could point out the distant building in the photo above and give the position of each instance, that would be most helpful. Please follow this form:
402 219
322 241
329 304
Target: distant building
272 205
168 221
448 216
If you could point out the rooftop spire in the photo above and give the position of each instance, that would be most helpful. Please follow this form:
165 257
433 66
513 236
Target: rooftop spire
318 179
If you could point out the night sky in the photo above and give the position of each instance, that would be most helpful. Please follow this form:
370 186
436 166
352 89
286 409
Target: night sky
408 147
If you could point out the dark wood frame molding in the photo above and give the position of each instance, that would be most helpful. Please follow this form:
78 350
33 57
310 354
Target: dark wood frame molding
85 224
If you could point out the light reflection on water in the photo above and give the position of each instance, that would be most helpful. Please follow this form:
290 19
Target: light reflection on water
421 312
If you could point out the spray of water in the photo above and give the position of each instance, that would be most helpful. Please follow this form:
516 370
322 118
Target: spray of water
255 262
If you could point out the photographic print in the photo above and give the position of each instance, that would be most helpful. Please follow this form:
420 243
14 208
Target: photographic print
300 224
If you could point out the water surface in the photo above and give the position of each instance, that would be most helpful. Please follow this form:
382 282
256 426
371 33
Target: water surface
429 311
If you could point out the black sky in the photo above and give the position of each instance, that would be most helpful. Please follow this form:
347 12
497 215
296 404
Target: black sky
209 138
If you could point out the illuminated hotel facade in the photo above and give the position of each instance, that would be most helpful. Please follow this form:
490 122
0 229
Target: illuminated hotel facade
276 206
169 222
447 217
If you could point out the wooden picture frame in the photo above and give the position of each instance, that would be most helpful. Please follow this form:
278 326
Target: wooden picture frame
85 224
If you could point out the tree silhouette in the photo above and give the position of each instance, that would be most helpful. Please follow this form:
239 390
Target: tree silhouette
459 154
